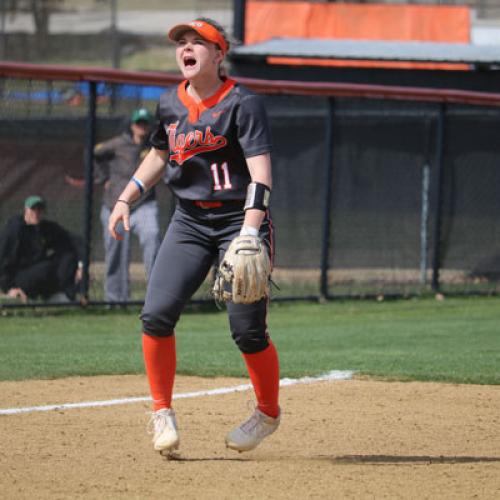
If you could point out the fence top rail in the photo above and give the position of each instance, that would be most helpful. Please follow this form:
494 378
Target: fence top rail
275 87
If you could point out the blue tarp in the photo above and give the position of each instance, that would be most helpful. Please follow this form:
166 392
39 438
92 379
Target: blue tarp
126 91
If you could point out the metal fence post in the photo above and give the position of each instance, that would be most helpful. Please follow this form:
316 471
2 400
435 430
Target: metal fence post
89 184
327 199
436 257
115 36
239 7
424 221
3 34
425 201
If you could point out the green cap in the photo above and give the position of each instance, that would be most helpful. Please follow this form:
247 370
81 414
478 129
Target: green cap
141 115
33 201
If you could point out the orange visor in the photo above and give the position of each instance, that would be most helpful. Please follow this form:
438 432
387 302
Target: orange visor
205 30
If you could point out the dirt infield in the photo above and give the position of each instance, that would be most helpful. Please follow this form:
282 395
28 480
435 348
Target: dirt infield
345 439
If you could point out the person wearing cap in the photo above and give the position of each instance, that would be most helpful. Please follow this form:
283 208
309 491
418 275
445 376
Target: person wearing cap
38 257
212 147
115 161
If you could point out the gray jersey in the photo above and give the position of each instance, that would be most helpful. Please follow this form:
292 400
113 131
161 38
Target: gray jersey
208 142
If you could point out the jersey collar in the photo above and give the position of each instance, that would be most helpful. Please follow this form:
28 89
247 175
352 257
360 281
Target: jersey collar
196 109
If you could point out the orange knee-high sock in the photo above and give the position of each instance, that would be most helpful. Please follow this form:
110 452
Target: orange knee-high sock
263 368
160 361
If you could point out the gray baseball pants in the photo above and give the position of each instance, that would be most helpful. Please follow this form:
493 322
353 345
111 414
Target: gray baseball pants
196 239
144 224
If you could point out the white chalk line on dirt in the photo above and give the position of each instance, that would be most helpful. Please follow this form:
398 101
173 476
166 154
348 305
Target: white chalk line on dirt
284 382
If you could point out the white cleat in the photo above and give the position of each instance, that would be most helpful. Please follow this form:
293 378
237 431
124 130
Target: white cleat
164 429
250 433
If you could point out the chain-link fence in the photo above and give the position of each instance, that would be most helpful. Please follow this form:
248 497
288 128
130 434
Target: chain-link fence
371 197
408 206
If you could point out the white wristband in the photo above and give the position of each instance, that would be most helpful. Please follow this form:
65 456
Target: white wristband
249 231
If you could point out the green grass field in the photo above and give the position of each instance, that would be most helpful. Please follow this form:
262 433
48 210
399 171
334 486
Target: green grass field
454 340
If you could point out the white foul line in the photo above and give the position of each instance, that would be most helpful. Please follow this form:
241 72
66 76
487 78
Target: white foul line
332 375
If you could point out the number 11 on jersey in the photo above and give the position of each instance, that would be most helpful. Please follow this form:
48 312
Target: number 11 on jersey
217 178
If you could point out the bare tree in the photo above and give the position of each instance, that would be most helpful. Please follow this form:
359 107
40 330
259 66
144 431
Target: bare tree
41 11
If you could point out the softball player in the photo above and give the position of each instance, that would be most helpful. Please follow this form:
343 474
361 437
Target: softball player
213 136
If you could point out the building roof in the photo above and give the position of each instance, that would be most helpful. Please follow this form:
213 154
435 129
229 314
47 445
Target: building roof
310 48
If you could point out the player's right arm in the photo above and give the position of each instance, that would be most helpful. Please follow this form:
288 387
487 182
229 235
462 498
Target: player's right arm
147 174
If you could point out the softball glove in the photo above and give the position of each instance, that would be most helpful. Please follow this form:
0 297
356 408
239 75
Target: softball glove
244 273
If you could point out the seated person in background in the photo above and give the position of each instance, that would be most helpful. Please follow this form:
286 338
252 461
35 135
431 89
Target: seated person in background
38 258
